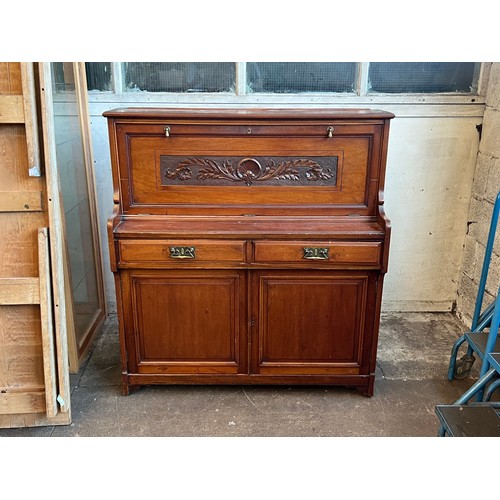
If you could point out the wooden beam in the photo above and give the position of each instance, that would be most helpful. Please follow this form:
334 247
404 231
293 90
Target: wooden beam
21 201
33 420
19 291
11 109
49 354
10 78
31 119
73 358
57 237
22 402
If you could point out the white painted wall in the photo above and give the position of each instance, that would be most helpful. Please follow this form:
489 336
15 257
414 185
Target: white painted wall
430 169
432 155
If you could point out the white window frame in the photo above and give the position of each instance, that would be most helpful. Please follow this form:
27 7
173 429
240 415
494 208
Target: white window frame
408 104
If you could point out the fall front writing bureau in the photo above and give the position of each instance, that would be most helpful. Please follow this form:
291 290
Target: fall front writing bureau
248 246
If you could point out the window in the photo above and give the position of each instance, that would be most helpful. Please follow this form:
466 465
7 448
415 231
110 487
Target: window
421 77
98 75
253 78
179 76
286 77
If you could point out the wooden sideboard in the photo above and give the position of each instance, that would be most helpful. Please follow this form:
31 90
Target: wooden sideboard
248 246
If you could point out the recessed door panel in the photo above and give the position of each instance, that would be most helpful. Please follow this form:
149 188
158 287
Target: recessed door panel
187 322
309 322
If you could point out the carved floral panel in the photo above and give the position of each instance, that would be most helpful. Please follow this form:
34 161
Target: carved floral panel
254 171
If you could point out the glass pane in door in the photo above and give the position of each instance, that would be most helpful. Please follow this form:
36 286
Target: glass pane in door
77 204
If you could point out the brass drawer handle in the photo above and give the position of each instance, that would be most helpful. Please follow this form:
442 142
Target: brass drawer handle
182 252
316 253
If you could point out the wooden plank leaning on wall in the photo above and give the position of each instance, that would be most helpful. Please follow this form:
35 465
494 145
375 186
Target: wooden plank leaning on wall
34 377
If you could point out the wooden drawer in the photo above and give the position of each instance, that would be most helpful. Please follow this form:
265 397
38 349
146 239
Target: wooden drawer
171 251
341 252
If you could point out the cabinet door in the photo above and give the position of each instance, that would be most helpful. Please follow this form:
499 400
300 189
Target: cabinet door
312 322
185 322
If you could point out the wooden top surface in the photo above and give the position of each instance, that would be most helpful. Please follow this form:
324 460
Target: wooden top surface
255 227
250 113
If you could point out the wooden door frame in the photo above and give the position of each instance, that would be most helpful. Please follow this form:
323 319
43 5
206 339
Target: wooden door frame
77 350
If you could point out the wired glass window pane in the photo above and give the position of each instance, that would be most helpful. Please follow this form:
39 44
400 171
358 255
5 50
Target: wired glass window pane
179 76
423 77
297 77
98 76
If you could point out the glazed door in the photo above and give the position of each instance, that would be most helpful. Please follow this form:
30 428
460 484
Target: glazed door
75 170
185 322
310 322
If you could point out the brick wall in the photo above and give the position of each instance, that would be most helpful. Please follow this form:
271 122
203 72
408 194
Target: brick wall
484 191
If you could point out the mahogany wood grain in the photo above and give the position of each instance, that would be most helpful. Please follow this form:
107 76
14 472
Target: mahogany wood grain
308 322
241 188
247 227
367 253
186 322
140 251
352 115
145 191
364 383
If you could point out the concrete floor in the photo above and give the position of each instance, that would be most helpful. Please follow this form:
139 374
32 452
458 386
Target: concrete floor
411 379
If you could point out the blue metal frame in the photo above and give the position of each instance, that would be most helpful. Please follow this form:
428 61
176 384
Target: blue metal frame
491 389
483 381
481 321
492 360
486 262
492 337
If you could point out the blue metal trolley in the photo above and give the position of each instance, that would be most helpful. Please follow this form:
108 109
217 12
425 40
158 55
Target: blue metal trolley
482 418
479 342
